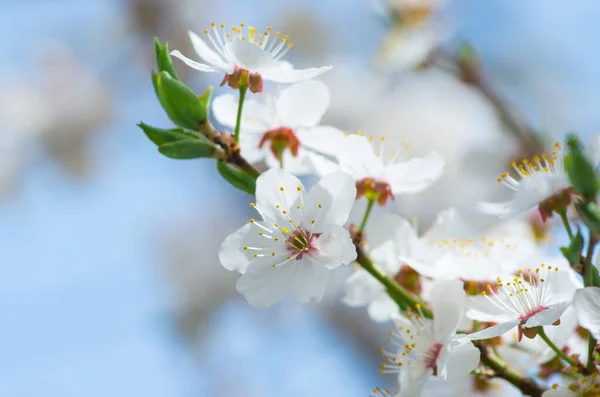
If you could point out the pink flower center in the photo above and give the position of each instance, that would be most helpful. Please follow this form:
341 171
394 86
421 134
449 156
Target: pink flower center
301 242
531 313
432 355
280 139
374 189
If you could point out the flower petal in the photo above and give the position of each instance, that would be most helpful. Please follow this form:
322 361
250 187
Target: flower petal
255 117
459 358
303 104
232 254
416 174
330 201
321 165
587 307
356 157
282 74
334 247
390 237
263 286
310 280
548 316
249 56
493 331
195 65
382 309
322 139
447 301
480 308
207 54
412 380
278 191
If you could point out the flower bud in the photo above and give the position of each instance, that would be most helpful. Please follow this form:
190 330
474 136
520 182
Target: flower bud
179 102
582 173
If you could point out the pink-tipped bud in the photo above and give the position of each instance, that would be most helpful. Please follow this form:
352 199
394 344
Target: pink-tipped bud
374 189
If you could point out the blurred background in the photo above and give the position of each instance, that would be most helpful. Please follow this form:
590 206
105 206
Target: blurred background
109 279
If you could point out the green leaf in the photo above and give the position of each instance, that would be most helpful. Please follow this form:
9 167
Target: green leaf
206 95
163 59
590 215
161 136
581 172
179 102
237 177
188 149
573 251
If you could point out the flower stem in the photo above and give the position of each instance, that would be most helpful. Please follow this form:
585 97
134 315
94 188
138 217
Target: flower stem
395 291
528 386
370 203
588 281
238 122
281 161
555 348
565 221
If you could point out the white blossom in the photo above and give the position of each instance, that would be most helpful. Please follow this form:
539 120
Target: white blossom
285 128
298 241
585 386
527 301
385 174
431 347
536 180
258 54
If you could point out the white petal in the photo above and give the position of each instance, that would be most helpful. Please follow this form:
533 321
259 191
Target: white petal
548 316
232 254
383 309
249 147
195 65
303 104
493 331
249 56
587 307
321 139
263 286
501 210
481 309
416 174
281 74
206 53
310 280
390 236
460 358
412 380
334 247
321 165
447 301
356 157
361 288
278 191
255 116
449 224
330 201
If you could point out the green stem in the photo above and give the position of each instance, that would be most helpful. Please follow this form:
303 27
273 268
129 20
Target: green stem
588 280
402 297
281 161
565 221
366 216
238 122
554 348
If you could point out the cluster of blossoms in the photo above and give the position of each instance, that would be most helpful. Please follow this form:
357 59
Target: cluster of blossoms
461 300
